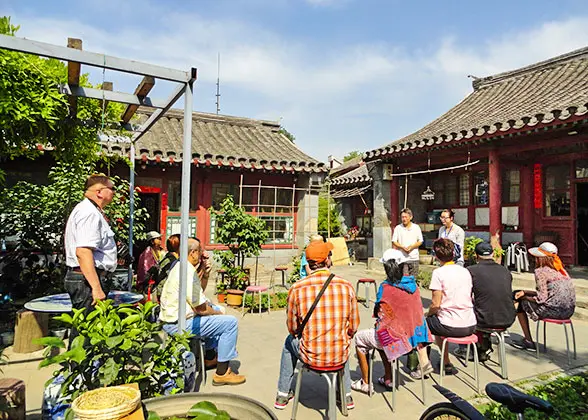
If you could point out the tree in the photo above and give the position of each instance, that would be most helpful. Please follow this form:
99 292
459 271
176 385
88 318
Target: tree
351 155
328 216
288 135
34 113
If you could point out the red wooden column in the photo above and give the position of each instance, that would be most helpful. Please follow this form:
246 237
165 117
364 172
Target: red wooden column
526 203
495 185
394 202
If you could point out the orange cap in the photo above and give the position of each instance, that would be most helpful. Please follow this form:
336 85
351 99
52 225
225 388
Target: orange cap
318 251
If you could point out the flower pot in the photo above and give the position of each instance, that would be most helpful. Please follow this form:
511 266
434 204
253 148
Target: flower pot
7 338
237 406
235 297
59 333
221 297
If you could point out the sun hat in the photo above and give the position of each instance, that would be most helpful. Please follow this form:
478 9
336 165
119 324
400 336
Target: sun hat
318 251
153 235
546 249
393 254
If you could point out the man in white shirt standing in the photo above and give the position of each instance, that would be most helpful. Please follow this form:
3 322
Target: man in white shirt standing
450 230
407 237
202 319
90 247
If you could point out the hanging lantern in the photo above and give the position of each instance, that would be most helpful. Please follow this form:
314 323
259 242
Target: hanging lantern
428 194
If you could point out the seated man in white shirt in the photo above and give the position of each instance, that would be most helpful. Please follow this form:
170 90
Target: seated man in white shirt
202 319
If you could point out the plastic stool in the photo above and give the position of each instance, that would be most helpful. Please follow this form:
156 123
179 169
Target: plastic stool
470 340
499 334
260 290
331 375
366 287
563 322
197 347
395 379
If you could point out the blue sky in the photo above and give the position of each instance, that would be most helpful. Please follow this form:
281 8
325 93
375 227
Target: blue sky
341 75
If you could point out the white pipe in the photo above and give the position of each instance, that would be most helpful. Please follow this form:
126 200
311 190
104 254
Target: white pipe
465 165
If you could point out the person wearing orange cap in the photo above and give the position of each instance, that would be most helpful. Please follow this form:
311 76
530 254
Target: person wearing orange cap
555 296
325 341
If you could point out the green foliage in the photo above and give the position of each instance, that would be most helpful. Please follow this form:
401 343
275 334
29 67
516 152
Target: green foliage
33 112
326 206
117 345
38 213
295 272
424 278
277 300
568 395
287 134
204 410
469 248
351 155
243 234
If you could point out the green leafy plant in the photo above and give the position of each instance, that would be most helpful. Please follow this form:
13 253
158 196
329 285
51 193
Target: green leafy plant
117 345
243 235
328 218
277 300
424 278
568 395
204 410
295 272
469 248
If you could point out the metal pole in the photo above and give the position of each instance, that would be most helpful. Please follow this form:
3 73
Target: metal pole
131 213
185 204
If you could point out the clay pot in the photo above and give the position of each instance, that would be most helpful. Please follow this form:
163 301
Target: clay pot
235 297
221 297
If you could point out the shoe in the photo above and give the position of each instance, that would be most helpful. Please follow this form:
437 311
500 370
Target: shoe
450 369
427 369
361 386
283 400
385 383
229 378
525 344
348 401
460 352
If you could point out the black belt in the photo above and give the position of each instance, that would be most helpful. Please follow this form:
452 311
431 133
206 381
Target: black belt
79 270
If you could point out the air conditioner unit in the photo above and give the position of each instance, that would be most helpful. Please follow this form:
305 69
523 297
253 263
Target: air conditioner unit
388 171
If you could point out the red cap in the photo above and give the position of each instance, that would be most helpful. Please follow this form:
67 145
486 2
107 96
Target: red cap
318 251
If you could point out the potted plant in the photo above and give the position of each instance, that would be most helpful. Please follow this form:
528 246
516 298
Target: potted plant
115 346
243 235
221 291
469 249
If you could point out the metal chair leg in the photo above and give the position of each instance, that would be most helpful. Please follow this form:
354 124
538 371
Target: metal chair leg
567 344
544 337
423 387
393 365
476 362
573 338
442 364
331 383
341 380
371 356
202 362
537 341
468 355
300 369
366 288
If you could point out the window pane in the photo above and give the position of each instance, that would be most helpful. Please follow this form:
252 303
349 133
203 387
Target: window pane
464 190
174 196
481 189
280 230
220 192
582 169
511 181
557 177
451 191
439 190
557 203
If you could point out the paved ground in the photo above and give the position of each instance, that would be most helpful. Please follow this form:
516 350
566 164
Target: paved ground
260 343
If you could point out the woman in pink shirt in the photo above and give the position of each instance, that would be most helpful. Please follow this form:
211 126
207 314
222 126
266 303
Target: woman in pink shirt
451 313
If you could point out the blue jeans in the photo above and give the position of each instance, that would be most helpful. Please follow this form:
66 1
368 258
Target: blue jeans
290 357
218 331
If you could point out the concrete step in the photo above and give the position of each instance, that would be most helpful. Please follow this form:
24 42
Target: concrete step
581 313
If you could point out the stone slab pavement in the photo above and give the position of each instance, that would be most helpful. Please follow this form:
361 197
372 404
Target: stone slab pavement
261 338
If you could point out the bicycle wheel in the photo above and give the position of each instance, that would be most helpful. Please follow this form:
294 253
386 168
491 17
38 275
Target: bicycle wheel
443 411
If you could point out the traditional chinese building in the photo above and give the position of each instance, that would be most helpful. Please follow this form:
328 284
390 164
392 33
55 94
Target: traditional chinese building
511 157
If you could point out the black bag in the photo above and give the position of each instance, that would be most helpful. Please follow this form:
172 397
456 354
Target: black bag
310 311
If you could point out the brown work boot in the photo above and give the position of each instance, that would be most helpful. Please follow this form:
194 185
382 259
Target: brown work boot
229 378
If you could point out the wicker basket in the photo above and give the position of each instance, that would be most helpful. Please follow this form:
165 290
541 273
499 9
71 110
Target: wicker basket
110 403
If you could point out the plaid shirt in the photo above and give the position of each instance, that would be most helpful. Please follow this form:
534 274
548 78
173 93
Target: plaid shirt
327 336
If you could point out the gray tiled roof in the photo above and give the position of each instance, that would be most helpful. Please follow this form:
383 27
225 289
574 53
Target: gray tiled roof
218 140
551 91
358 175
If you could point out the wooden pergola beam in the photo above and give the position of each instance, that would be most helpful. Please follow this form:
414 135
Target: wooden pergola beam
141 92
73 74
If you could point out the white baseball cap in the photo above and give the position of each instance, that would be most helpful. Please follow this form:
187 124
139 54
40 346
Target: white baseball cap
393 254
545 246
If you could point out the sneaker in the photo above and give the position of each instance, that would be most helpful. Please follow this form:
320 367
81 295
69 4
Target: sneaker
525 344
450 369
427 369
229 378
361 386
348 401
283 400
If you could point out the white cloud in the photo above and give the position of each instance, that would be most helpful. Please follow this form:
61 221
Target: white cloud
333 98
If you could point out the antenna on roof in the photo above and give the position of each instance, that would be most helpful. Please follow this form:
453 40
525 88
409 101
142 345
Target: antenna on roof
218 85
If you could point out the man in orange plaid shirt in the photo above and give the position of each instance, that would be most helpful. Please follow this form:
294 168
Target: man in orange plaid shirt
326 339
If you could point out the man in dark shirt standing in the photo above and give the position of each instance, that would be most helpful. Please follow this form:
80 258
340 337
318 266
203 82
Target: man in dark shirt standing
492 289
